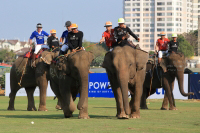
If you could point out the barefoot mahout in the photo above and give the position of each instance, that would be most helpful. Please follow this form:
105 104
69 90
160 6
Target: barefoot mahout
31 78
126 69
69 76
172 67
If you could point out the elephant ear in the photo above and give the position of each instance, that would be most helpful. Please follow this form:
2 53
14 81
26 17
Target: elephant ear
177 60
164 63
90 57
63 65
150 65
47 57
107 63
141 59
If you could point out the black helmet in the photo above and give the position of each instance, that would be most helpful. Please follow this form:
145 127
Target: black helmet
39 25
68 23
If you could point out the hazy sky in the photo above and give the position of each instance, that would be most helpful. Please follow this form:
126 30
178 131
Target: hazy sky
18 18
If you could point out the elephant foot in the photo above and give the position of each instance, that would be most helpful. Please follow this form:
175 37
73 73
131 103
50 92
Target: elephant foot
58 107
68 115
84 117
122 116
31 109
144 107
42 109
135 116
163 108
173 108
11 108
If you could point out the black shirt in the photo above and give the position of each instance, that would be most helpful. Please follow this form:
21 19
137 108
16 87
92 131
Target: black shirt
75 39
52 41
173 46
120 32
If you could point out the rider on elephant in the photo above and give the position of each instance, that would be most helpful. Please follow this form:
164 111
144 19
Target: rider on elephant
108 36
53 41
39 36
75 38
121 33
173 45
161 46
64 37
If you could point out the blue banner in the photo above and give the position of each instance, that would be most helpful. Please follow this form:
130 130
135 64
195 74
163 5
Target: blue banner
98 86
195 86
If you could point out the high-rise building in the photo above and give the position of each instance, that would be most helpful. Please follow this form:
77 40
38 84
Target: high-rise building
147 18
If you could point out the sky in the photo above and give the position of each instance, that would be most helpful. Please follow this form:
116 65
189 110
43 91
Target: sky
18 18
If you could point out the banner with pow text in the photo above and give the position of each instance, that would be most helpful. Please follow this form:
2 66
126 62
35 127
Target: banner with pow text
98 86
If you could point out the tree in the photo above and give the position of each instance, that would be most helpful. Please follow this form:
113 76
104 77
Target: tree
2 79
7 56
99 52
185 47
151 53
192 38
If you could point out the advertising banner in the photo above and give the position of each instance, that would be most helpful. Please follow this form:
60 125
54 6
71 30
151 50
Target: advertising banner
98 86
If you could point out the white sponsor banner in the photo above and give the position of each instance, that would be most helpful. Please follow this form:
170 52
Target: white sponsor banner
177 95
22 91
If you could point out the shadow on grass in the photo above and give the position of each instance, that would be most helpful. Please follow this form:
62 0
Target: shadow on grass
11 110
105 107
55 116
149 109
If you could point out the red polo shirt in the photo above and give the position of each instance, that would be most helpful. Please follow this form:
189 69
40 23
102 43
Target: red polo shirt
163 44
109 37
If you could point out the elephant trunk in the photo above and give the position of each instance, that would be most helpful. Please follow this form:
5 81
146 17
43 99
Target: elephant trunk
83 89
180 77
123 81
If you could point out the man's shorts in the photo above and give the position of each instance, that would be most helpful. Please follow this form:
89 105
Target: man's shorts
40 46
161 53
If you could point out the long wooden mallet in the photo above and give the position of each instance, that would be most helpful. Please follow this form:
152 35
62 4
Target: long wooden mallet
24 69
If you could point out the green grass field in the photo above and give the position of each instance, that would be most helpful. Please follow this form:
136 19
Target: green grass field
102 112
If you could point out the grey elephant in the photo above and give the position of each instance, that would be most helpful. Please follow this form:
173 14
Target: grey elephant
172 67
126 69
70 77
33 77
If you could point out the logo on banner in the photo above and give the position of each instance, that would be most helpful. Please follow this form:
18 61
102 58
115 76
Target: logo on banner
160 91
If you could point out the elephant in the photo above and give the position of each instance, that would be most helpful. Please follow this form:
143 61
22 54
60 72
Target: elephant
126 67
171 67
68 78
32 77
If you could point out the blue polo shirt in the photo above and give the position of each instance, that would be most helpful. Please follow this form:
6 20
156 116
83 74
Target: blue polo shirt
39 36
64 35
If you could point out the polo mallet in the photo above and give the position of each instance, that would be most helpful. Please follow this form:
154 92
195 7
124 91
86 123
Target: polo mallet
80 49
24 69
152 78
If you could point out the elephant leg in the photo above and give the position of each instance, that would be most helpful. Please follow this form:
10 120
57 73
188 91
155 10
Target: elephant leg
74 92
68 105
43 90
31 102
167 83
56 91
172 88
58 106
143 104
118 98
135 107
165 103
12 96
119 102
